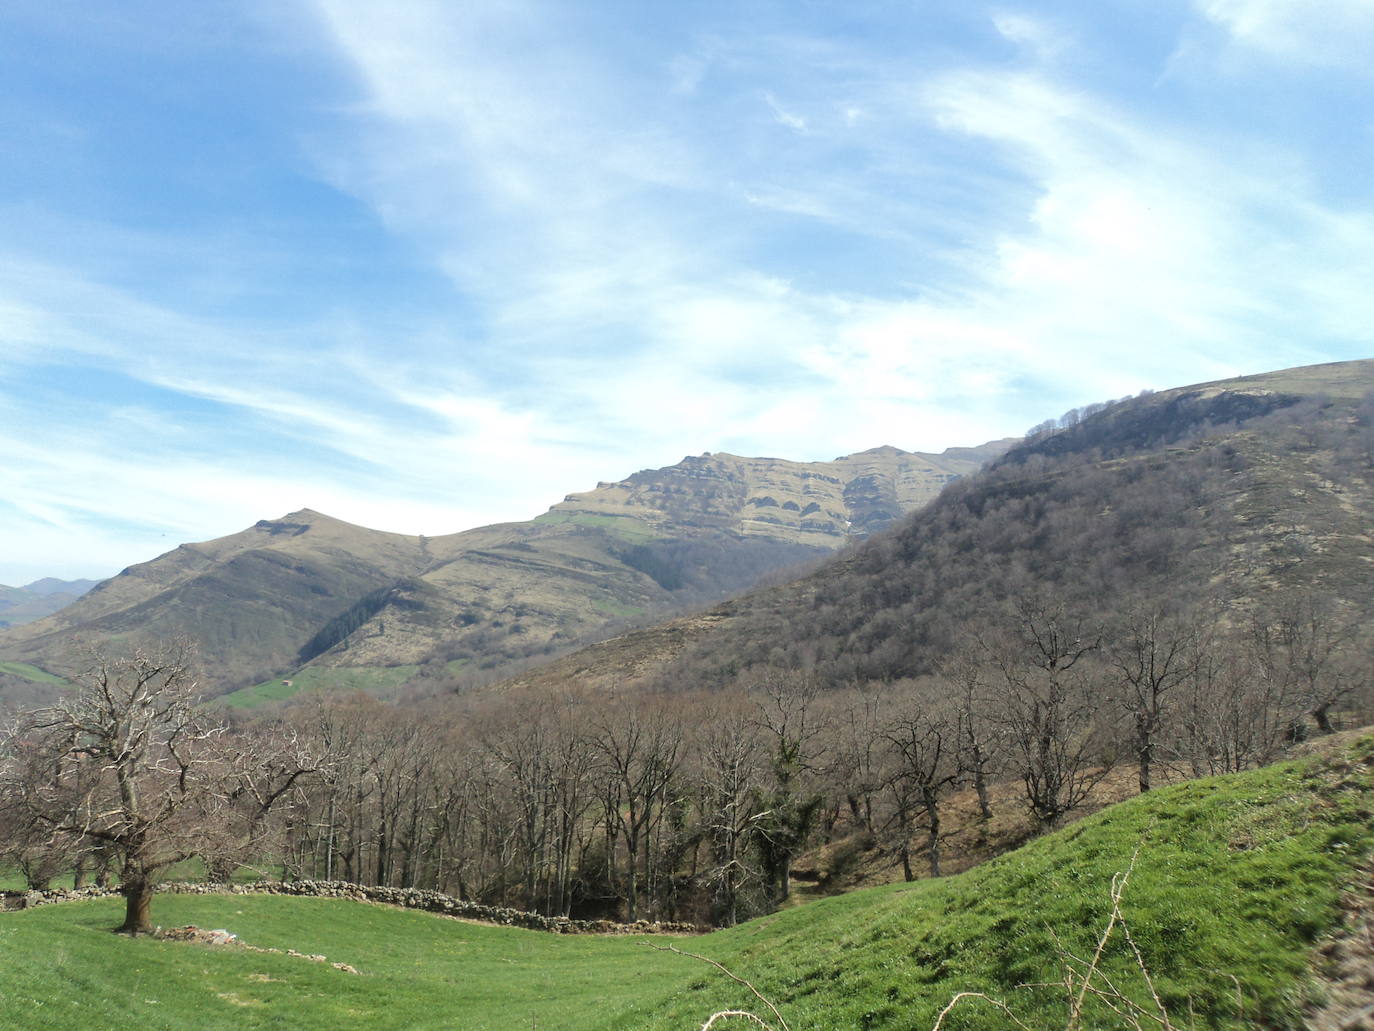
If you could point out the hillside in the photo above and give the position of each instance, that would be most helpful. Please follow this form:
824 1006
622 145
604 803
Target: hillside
1232 895
309 590
1230 496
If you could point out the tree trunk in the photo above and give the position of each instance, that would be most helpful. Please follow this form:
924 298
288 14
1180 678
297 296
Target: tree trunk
1145 748
980 784
138 899
932 804
631 885
383 852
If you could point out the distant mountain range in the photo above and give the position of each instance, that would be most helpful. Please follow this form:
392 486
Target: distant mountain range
310 591
41 598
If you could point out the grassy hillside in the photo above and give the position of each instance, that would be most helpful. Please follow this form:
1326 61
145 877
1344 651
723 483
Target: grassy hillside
1234 881
248 600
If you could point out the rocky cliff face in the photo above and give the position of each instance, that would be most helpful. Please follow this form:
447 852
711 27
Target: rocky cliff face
309 589
821 504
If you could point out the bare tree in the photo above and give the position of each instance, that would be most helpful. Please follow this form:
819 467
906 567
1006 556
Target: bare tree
261 784
1153 654
923 739
1304 641
1231 715
855 764
979 735
793 727
1050 708
132 761
572 765
26 842
729 768
641 752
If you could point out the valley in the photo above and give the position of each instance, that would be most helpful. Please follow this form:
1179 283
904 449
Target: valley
648 516
909 768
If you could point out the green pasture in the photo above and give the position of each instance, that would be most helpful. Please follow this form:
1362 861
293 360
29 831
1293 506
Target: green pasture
1233 882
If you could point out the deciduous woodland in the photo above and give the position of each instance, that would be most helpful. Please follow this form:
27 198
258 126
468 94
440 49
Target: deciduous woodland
692 806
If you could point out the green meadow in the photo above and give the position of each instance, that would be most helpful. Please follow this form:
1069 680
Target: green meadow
319 678
30 673
1234 880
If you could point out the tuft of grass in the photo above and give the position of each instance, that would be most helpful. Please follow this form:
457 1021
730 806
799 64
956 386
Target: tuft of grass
1234 880
372 679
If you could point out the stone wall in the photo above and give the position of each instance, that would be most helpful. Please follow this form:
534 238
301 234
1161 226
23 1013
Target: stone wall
406 898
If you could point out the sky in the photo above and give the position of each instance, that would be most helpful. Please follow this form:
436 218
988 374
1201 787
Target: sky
425 266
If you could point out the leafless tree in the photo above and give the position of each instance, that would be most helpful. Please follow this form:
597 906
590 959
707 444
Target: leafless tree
923 739
1051 707
262 785
854 765
1153 653
131 760
792 726
1304 641
641 748
729 762
1231 716
980 736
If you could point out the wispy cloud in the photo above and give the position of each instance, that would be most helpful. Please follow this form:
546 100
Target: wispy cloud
1313 32
1132 238
510 249
795 122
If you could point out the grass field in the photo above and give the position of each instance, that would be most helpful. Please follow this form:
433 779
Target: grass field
27 672
319 678
1235 881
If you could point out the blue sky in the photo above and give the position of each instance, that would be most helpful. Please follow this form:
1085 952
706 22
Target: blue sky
425 266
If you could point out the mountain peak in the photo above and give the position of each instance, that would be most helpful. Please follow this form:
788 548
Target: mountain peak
300 521
884 451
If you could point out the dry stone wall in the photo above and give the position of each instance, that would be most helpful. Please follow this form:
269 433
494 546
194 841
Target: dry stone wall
406 898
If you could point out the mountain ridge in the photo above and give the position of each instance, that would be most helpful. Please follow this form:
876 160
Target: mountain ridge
308 588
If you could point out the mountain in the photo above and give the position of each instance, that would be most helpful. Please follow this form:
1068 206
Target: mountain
1232 495
307 589
41 598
